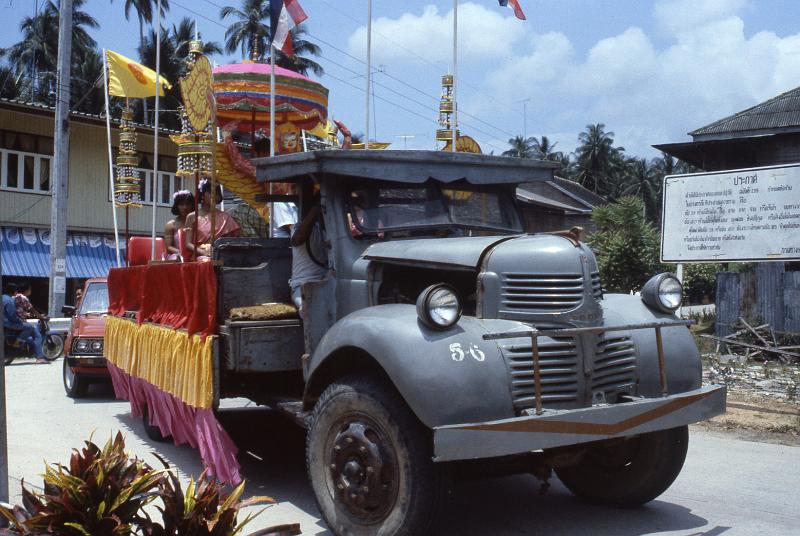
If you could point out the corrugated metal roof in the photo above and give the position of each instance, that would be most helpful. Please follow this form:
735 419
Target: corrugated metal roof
781 112
25 252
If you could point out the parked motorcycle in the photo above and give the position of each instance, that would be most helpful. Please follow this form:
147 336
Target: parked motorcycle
52 344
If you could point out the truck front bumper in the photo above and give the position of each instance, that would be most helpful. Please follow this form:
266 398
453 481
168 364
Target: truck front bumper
558 428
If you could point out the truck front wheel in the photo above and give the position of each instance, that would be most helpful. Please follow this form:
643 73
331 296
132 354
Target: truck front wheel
370 462
630 472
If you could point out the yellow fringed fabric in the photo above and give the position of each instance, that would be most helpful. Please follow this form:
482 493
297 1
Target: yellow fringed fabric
169 359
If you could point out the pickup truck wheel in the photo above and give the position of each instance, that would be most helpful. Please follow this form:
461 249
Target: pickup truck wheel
631 472
370 462
75 385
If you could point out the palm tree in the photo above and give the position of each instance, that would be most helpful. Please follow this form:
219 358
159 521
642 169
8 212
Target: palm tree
595 156
145 11
543 149
87 73
183 34
34 57
298 63
250 29
10 87
641 180
521 147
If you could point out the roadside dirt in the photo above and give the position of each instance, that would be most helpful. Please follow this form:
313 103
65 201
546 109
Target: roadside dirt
755 417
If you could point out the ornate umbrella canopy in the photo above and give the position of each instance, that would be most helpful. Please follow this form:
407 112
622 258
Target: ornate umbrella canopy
242 88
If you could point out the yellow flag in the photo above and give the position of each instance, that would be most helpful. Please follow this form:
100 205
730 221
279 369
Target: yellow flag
126 78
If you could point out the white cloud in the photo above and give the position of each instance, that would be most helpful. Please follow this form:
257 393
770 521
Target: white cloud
710 69
483 33
681 16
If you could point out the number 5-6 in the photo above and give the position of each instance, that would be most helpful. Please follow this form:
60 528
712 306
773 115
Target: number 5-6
456 352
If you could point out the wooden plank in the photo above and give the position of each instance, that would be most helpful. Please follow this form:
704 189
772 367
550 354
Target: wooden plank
756 347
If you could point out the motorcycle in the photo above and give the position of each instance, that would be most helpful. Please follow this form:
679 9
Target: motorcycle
52 344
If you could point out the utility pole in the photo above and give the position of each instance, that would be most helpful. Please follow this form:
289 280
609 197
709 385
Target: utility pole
58 211
3 422
525 117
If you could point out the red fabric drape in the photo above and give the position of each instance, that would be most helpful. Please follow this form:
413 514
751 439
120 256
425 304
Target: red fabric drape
179 295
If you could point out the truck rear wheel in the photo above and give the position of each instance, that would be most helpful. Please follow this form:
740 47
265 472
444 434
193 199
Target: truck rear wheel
631 472
370 462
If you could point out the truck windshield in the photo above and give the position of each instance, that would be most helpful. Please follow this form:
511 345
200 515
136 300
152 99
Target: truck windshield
392 208
95 300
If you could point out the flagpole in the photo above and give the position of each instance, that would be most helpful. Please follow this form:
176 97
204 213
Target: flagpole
110 158
455 75
369 72
154 191
272 137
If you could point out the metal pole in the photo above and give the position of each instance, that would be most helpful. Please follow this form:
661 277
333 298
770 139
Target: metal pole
662 370
3 421
455 74
58 210
110 159
369 73
272 137
155 141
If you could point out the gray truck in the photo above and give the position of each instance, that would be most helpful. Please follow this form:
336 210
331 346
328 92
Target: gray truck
443 338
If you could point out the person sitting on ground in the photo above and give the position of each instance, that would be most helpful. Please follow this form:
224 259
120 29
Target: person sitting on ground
224 223
182 206
305 269
12 323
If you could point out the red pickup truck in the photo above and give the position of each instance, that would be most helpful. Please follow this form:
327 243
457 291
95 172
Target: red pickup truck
84 355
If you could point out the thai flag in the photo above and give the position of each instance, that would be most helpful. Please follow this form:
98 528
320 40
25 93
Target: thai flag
284 16
514 4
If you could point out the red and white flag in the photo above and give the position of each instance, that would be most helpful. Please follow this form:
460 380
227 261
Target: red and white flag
514 4
284 16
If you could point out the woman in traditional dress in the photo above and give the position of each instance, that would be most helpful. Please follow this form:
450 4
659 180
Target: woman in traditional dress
182 206
224 223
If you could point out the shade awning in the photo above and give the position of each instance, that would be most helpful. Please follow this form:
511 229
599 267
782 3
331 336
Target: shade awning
25 252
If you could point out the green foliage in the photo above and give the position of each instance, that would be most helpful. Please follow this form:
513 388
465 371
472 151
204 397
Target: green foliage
626 245
700 280
104 492
101 493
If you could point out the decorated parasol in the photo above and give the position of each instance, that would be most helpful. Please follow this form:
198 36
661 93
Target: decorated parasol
243 96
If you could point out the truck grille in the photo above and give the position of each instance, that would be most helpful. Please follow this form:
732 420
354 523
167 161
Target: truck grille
614 369
559 367
597 286
531 293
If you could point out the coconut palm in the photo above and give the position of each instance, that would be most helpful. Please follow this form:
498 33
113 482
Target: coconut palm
249 30
87 74
183 34
543 149
300 63
33 59
595 157
10 87
145 12
641 180
521 147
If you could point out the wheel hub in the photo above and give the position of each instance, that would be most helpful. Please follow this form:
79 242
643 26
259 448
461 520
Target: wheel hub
364 472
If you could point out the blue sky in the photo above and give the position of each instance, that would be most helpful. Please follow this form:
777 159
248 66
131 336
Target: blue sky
651 71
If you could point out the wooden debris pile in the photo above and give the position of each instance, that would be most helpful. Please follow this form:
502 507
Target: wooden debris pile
757 342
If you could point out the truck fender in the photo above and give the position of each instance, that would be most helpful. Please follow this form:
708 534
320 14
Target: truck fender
681 357
445 377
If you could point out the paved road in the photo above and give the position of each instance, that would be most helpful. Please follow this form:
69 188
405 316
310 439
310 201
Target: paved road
728 487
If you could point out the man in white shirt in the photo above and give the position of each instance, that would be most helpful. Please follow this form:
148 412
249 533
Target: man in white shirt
304 268
284 215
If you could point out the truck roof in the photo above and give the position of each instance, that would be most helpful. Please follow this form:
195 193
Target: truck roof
413 167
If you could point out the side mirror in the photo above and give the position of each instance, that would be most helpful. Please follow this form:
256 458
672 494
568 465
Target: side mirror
68 310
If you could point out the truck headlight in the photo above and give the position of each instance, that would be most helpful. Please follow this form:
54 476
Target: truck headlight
97 346
663 293
81 345
438 306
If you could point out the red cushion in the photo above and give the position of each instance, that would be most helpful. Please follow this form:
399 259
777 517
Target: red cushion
140 250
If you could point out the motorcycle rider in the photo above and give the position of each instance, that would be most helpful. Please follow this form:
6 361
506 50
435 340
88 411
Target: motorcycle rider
14 324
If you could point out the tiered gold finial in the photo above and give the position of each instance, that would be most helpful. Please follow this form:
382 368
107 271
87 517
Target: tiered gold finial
127 190
446 108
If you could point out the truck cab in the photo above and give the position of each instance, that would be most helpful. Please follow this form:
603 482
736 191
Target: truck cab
442 333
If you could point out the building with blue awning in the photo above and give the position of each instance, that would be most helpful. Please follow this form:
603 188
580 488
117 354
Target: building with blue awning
25 252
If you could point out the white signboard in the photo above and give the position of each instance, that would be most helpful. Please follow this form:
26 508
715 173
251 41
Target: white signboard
741 215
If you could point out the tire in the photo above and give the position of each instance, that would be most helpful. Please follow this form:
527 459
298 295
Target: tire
53 346
75 385
153 432
629 473
370 462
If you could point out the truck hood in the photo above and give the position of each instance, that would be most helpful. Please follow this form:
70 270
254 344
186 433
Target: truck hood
464 252
89 326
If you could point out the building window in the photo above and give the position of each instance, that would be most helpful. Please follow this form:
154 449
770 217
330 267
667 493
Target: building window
167 185
25 162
